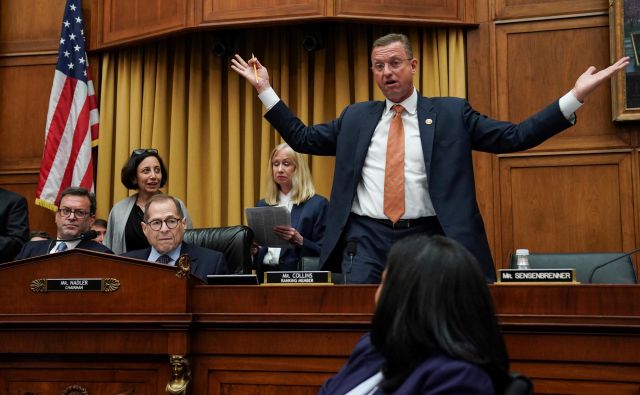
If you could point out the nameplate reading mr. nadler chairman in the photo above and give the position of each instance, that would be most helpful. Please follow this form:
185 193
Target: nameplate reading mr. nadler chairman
297 278
75 284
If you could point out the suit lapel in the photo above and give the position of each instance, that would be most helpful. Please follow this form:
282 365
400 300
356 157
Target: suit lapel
427 125
365 133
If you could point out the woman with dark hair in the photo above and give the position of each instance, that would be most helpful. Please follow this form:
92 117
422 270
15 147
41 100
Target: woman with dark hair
434 330
146 172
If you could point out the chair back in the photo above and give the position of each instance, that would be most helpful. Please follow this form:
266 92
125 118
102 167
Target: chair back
618 271
519 385
233 241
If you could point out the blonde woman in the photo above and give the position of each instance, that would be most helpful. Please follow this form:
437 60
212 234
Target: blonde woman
289 184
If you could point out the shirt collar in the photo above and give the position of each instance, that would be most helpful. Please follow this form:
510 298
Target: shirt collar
410 104
174 254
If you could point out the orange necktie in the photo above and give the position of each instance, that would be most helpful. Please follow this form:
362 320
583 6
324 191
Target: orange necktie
394 170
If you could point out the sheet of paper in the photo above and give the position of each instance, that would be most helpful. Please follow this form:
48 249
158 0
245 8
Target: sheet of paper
262 220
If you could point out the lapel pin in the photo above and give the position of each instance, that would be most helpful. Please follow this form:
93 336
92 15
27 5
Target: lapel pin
428 121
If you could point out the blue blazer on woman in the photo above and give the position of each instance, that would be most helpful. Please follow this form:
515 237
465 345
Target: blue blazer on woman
436 375
308 219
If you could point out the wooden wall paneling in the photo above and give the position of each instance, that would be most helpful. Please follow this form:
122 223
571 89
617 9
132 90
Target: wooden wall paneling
248 375
126 21
576 378
538 62
224 12
566 203
480 64
507 9
449 11
26 86
102 378
635 160
18 33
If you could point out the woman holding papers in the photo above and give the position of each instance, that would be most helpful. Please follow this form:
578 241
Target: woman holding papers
289 184
144 171
434 330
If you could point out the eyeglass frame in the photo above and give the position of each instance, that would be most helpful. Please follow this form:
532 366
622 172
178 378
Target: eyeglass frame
163 221
140 151
398 63
79 214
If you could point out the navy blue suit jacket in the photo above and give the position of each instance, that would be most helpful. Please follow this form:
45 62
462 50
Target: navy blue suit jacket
42 247
436 375
308 219
454 130
14 224
203 260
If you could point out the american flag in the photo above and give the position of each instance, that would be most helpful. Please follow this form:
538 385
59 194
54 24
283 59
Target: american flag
72 120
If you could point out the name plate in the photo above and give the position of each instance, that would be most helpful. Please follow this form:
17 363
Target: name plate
297 278
537 276
75 285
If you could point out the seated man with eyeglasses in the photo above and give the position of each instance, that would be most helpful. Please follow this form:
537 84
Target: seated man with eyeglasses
164 225
75 215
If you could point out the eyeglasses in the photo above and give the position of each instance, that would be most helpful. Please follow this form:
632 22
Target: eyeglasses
394 64
171 223
65 212
141 151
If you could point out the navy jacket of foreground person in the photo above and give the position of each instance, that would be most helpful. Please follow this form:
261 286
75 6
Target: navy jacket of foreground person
438 374
203 260
434 330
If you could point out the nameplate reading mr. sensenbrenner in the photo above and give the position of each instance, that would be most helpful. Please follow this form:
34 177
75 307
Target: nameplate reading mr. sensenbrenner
537 276
75 285
297 278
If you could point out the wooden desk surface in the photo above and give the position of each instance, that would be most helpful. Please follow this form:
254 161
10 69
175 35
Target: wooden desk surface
574 339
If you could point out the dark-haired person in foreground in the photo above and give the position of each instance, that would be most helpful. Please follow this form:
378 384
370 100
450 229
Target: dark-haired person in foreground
404 165
75 215
434 330
164 225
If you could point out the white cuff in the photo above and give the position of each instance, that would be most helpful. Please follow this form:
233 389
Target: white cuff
569 105
269 98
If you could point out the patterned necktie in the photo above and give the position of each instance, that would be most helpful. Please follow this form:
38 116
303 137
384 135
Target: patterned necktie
165 259
394 169
62 247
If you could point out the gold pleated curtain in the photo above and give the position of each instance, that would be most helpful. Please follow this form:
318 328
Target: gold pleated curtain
176 95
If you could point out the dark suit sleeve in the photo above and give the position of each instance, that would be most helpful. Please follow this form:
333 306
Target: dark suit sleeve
453 377
493 136
16 230
318 139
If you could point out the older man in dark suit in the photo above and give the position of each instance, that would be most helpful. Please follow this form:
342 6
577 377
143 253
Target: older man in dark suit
404 165
75 215
164 225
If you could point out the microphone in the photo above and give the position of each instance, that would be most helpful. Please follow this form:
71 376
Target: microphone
600 266
351 249
88 235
